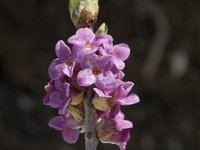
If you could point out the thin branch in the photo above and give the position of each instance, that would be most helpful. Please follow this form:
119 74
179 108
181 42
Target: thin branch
90 115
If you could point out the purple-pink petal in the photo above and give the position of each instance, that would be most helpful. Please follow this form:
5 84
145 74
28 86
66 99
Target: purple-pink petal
78 51
46 99
121 51
124 124
49 87
128 86
86 77
115 111
62 50
70 135
129 100
103 42
82 37
119 64
68 70
89 61
120 93
56 69
125 135
101 93
55 99
72 123
57 123
122 145
106 82
105 63
63 107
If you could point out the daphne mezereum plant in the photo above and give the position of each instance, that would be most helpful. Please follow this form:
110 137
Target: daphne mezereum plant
86 83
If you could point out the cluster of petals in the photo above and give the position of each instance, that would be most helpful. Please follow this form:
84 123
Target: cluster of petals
90 61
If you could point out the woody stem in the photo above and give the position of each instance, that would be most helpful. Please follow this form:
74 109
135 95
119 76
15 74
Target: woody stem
90 114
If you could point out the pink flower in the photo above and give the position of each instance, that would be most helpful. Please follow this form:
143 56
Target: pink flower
57 93
93 67
68 126
64 64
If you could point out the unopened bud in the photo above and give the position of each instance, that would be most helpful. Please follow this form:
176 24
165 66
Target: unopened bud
84 12
102 29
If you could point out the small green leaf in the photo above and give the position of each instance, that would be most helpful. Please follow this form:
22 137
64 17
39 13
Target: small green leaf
101 103
77 114
77 99
104 132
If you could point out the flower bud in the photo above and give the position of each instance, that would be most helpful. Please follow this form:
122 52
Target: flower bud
84 12
102 29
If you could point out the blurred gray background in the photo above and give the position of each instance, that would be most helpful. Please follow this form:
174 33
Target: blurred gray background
164 36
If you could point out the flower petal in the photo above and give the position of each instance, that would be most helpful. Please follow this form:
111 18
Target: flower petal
56 69
62 50
70 135
119 64
105 63
101 39
125 135
130 100
89 61
115 110
46 99
55 99
86 78
121 51
72 123
124 124
120 93
68 70
57 123
49 87
101 93
63 107
106 82
104 42
119 75
83 36
128 86
78 51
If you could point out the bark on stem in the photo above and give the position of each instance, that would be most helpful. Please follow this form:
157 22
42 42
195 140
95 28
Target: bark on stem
90 114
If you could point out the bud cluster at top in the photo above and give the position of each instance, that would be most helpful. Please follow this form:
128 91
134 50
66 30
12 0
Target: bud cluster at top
92 61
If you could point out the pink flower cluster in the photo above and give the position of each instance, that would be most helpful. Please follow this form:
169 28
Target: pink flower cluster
93 61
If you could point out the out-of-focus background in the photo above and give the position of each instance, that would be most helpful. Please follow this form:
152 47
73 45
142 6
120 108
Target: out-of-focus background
164 36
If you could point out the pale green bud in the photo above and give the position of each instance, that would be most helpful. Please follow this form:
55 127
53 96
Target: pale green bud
102 29
84 12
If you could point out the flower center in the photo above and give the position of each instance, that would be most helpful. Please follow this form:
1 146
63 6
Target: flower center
88 45
96 70
69 62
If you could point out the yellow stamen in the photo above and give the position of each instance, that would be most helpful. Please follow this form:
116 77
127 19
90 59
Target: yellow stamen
88 45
